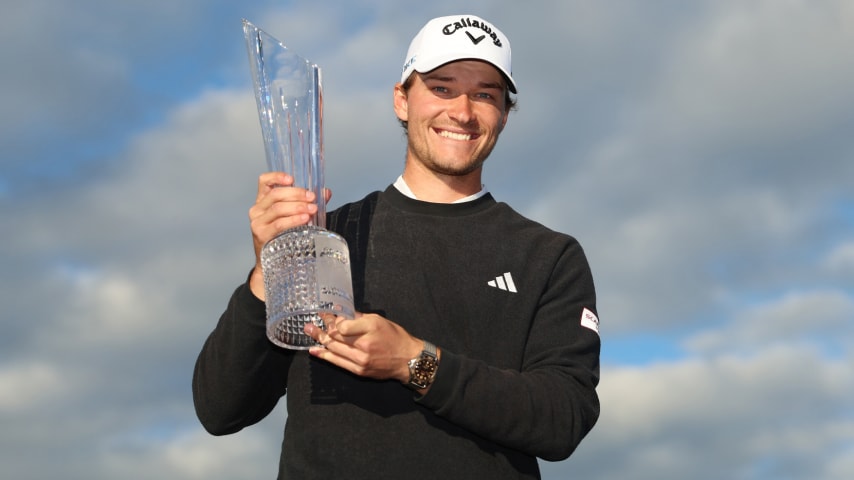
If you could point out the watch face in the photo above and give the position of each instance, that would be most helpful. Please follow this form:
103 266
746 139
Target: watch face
422 371
425 368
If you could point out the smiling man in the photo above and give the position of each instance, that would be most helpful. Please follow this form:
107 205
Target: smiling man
454 115
476 347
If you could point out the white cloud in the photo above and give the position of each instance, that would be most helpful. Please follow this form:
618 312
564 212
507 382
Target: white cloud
841 466
193 454
742 74
840 259
29 386
726 416
797 317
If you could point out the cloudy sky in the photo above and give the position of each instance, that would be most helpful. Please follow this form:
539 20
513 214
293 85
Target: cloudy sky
700 151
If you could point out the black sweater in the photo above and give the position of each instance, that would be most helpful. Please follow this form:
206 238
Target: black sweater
501 295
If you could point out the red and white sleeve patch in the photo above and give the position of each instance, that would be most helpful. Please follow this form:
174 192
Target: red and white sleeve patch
590 320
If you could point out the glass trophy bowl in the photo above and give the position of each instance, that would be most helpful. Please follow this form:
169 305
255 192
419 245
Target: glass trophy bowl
306 273
307 268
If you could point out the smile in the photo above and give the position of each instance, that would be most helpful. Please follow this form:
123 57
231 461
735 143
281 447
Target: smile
455 135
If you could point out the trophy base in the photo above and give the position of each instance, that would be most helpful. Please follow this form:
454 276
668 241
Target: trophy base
288 332
306 274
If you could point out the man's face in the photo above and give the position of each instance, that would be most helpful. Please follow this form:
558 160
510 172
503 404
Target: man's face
454 114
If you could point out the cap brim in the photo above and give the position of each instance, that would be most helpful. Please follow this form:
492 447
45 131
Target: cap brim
426 66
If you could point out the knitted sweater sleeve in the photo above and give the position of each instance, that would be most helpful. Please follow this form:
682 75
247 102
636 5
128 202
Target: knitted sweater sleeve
550 404
239 375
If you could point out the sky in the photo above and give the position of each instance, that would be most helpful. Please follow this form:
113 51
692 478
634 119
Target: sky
700 151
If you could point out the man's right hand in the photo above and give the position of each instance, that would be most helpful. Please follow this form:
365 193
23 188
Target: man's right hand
278 207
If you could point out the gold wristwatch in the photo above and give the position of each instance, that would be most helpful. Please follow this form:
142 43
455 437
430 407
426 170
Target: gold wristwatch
422 369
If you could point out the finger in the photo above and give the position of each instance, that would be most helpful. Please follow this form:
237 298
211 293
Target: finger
263 215
279 210
269 224
284 194
328 355
354 327
270 180
316 333
331 333
340 354
329 322
343 329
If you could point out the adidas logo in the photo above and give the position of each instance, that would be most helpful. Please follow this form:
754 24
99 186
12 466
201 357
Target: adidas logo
503 282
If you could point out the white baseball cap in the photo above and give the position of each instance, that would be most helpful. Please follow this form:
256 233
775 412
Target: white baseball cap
459 37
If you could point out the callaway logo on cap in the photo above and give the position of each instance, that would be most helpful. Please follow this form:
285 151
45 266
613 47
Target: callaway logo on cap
461 37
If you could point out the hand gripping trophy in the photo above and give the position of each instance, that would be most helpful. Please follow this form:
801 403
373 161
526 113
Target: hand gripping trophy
307 268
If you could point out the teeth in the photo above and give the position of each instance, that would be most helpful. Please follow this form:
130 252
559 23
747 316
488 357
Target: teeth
454 136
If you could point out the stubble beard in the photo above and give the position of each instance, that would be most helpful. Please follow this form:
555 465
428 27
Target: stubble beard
454 170
449 168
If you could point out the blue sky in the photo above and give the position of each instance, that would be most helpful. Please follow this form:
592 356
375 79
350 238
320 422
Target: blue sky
700 151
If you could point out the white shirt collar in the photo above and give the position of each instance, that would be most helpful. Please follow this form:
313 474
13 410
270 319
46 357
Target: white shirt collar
400 185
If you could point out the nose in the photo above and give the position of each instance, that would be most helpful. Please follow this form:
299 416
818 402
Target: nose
460 109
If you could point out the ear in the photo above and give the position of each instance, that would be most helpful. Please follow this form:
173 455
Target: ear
401 103
506 116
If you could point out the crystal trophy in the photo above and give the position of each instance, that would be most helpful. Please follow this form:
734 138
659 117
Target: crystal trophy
307 268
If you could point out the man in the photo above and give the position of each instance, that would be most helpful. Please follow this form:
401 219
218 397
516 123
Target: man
477 349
